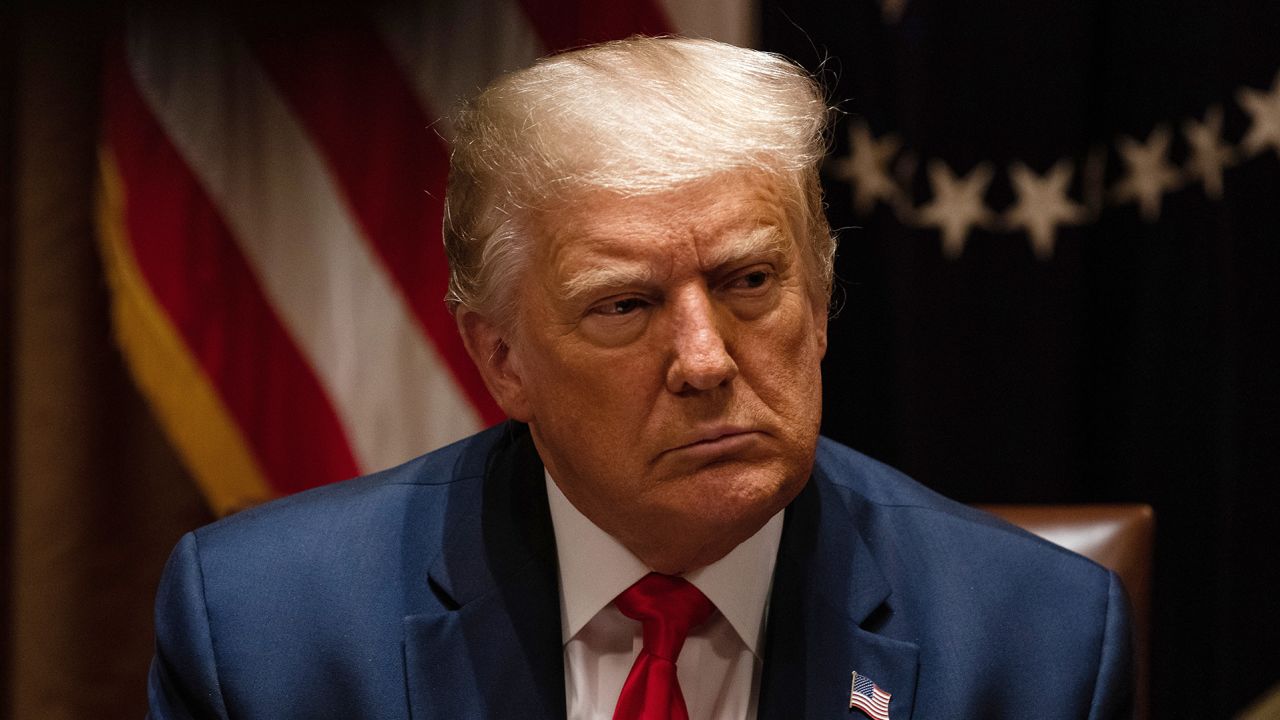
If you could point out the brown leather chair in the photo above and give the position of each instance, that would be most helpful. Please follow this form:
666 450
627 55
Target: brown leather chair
1118 537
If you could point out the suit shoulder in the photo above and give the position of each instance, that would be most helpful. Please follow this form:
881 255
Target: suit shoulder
311 591
877 483
362 511
887 495
1010 624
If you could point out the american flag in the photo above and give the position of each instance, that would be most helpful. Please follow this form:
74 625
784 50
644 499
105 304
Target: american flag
869 698
270 211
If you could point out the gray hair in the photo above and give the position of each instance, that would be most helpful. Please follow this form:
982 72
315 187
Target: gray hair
635 117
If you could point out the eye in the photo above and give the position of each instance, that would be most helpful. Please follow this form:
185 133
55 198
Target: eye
754 279
619 307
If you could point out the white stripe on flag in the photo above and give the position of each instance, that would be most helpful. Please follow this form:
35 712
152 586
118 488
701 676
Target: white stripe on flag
393 394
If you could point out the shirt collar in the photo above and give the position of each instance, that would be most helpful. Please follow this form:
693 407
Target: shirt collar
595 568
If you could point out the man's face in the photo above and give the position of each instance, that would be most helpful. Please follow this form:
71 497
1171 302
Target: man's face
666 357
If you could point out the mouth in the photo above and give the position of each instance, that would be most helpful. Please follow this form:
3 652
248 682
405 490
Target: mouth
715 443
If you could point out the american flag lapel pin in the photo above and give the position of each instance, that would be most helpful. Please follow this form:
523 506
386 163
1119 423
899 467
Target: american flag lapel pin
867 696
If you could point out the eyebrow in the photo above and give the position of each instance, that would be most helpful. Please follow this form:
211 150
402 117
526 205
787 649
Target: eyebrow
760 241
613 276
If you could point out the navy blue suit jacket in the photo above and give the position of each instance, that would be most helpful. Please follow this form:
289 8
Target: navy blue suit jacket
429 591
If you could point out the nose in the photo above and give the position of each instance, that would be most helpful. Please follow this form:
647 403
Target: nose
701 360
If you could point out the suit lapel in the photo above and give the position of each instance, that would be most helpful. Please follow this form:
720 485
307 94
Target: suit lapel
492 647
829 596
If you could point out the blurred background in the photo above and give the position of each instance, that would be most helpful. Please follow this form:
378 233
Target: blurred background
220 281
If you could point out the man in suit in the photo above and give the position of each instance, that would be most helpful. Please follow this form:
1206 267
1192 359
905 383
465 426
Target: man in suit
641 269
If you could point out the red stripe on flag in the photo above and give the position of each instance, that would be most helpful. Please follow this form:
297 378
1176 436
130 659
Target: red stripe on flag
564 24
198 275
347 89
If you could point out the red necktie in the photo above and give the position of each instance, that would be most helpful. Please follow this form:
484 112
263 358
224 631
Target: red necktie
668 607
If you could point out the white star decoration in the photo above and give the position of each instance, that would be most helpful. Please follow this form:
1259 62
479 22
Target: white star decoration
1042 205
1208 154
957 205
1264 110
1149 175
867 168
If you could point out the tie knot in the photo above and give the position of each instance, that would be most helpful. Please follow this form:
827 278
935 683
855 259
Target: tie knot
668 607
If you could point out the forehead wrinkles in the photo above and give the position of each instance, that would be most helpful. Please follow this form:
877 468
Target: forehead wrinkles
601 239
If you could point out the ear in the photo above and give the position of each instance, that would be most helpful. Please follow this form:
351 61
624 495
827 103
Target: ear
491 352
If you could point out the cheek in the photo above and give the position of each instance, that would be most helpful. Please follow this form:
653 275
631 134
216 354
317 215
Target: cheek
796 343
594 392
786 359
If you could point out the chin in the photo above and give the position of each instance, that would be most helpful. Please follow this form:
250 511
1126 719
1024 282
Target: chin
717 509
745 489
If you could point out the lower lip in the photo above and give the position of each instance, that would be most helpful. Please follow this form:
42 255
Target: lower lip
716 449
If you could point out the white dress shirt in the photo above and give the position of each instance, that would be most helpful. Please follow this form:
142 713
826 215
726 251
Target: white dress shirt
720 664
